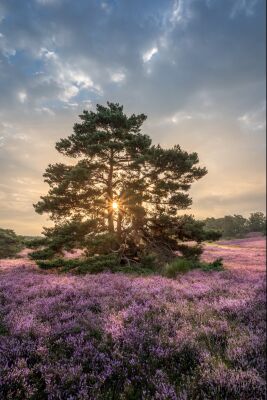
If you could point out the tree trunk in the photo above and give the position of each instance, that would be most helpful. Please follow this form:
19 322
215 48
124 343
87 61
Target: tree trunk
119 222
110 220
110 196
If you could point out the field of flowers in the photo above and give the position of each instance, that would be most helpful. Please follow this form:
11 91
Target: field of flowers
111 336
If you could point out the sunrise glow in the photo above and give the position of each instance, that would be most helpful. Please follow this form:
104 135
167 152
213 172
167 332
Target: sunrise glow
115 205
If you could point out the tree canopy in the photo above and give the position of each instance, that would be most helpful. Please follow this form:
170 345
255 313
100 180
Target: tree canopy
123 193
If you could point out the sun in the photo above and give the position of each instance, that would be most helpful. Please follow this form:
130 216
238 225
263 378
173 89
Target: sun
115 205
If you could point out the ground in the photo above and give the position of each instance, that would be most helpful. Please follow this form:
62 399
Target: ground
111 336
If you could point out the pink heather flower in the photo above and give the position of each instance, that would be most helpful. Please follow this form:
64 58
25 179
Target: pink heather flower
200 336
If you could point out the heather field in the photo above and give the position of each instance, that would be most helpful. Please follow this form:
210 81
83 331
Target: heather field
112 336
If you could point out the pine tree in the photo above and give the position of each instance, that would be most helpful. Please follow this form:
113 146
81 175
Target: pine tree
123 194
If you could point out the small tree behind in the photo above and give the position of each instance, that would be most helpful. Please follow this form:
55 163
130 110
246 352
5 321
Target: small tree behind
257 222
10 243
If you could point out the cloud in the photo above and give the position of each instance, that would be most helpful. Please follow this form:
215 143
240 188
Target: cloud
45 110
118 77
243 6
196 68
47 2
149 54
180 116
254 120
180 12
70 79
22 96
5 49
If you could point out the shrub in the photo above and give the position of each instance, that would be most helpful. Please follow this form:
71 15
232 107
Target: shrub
212 235
190 252
182 265
148 261
135 269
216 265
177 266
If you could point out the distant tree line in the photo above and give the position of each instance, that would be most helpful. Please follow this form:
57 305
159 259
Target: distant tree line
231 226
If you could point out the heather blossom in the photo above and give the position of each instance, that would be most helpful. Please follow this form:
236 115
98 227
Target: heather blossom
112 336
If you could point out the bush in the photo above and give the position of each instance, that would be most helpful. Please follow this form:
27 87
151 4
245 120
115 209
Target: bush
182 265
212 235
216 265
177 266
149 261
136 269
190 252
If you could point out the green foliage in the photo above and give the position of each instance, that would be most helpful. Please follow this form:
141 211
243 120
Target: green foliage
10 243
212 235
101 244
92 265
148 261
70 234
257 222
43 254
216 265
181 265
190 252
98 264
54 263
34 242
178 266
112 263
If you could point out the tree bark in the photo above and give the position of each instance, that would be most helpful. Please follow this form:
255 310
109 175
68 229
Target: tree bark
110 196
119 223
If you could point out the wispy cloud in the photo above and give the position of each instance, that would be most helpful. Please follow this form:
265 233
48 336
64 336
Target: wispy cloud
254 120
149 54
22 96
118 77
70 79
243 6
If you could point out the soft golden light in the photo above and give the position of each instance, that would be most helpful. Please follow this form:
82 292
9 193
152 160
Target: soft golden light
115 205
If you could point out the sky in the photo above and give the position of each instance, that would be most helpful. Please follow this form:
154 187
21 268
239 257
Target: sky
196 68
